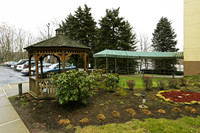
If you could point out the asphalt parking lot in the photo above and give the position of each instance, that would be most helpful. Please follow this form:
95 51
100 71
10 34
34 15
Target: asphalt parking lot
8 76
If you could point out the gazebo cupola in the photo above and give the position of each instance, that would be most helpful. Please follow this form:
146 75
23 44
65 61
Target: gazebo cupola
59 46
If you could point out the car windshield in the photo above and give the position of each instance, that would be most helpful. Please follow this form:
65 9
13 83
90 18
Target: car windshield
53 66
57 65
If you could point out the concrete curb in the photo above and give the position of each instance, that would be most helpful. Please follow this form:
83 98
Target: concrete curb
10 122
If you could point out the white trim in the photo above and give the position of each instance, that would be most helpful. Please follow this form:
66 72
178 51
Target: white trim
9 122
9 86
5 93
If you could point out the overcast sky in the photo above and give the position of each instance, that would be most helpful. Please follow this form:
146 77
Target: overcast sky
143 15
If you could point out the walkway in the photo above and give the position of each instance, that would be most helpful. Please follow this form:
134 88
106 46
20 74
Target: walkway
10 122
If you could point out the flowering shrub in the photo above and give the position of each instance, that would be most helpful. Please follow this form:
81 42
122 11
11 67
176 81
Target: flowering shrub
115 114
161 84
101 117
147 82
172 83
111 82
131 111
131 84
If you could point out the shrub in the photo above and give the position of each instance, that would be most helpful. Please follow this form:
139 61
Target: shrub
101 117
111 82
146 112
73 86
115 114
161 111
131 111
176 109
183 82
172 83
130 84
97 74
84 120
147 82
161 84
64 121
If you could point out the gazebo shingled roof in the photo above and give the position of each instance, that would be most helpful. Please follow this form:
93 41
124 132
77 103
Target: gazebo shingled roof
58 41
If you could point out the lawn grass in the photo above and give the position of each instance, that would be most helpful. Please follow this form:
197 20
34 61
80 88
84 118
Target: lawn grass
182 125
138 81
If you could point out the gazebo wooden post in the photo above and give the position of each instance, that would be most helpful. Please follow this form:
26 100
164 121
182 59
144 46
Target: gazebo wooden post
63 60
59 64
41 67
36 74
85 62
29 65
115 65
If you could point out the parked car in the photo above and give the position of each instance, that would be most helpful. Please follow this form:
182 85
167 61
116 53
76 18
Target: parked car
22 61
9 63
25 71
24 65
55 68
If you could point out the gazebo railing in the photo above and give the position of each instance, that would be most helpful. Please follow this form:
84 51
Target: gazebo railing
46 88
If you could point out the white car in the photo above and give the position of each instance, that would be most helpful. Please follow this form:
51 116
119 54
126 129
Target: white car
25 71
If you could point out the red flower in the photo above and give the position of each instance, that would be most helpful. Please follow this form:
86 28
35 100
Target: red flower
181 96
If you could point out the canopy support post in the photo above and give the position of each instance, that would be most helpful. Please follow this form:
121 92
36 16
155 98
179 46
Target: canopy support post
95 63
115 65
106 65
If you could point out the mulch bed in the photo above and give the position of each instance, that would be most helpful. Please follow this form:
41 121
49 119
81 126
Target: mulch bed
44 115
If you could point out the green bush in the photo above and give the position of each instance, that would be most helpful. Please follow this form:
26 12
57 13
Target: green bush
111 82
97 74
161 84
147 82
183 82
73 86
130 83
172 83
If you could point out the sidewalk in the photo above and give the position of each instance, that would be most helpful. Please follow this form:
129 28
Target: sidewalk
10 122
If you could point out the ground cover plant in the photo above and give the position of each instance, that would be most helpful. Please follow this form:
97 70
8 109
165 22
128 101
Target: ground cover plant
109 112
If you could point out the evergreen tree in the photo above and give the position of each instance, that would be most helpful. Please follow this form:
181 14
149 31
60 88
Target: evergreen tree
82 27
164 40
115 34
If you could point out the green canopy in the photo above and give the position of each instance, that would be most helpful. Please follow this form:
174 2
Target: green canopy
138 55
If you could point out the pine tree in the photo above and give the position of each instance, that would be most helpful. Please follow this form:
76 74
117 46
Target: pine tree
164 40
82 27
115 34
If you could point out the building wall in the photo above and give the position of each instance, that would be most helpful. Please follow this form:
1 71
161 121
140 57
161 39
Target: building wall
191 37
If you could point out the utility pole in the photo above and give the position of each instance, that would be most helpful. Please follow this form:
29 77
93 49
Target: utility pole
48 25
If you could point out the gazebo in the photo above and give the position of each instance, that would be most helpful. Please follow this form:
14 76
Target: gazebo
62 48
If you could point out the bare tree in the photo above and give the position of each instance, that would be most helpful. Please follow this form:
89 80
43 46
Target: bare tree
12 43
144 47
48 30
